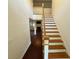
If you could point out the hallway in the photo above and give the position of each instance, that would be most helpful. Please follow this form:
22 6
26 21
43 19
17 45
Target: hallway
35 49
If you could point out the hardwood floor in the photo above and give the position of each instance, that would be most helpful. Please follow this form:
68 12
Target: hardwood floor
35 49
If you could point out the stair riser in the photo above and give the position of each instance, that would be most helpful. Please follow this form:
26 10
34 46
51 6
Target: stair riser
59 58
50 27
54 38
48 24
49 20
59 43
57 50
51 34
50 30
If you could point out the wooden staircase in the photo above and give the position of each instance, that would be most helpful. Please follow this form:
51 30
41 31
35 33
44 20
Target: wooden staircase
51 38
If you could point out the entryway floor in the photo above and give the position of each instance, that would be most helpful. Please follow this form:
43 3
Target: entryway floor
35 49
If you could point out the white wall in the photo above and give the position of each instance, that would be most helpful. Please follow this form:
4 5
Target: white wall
38 10
60 12
19 34
47 11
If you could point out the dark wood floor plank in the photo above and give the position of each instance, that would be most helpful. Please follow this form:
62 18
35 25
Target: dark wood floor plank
35 49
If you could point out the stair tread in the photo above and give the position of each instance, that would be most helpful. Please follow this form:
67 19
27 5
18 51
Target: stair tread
56 47
55 41
58 55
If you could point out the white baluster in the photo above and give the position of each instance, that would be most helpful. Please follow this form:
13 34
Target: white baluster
34 26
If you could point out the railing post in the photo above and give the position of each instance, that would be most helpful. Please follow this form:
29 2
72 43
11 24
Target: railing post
46 41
